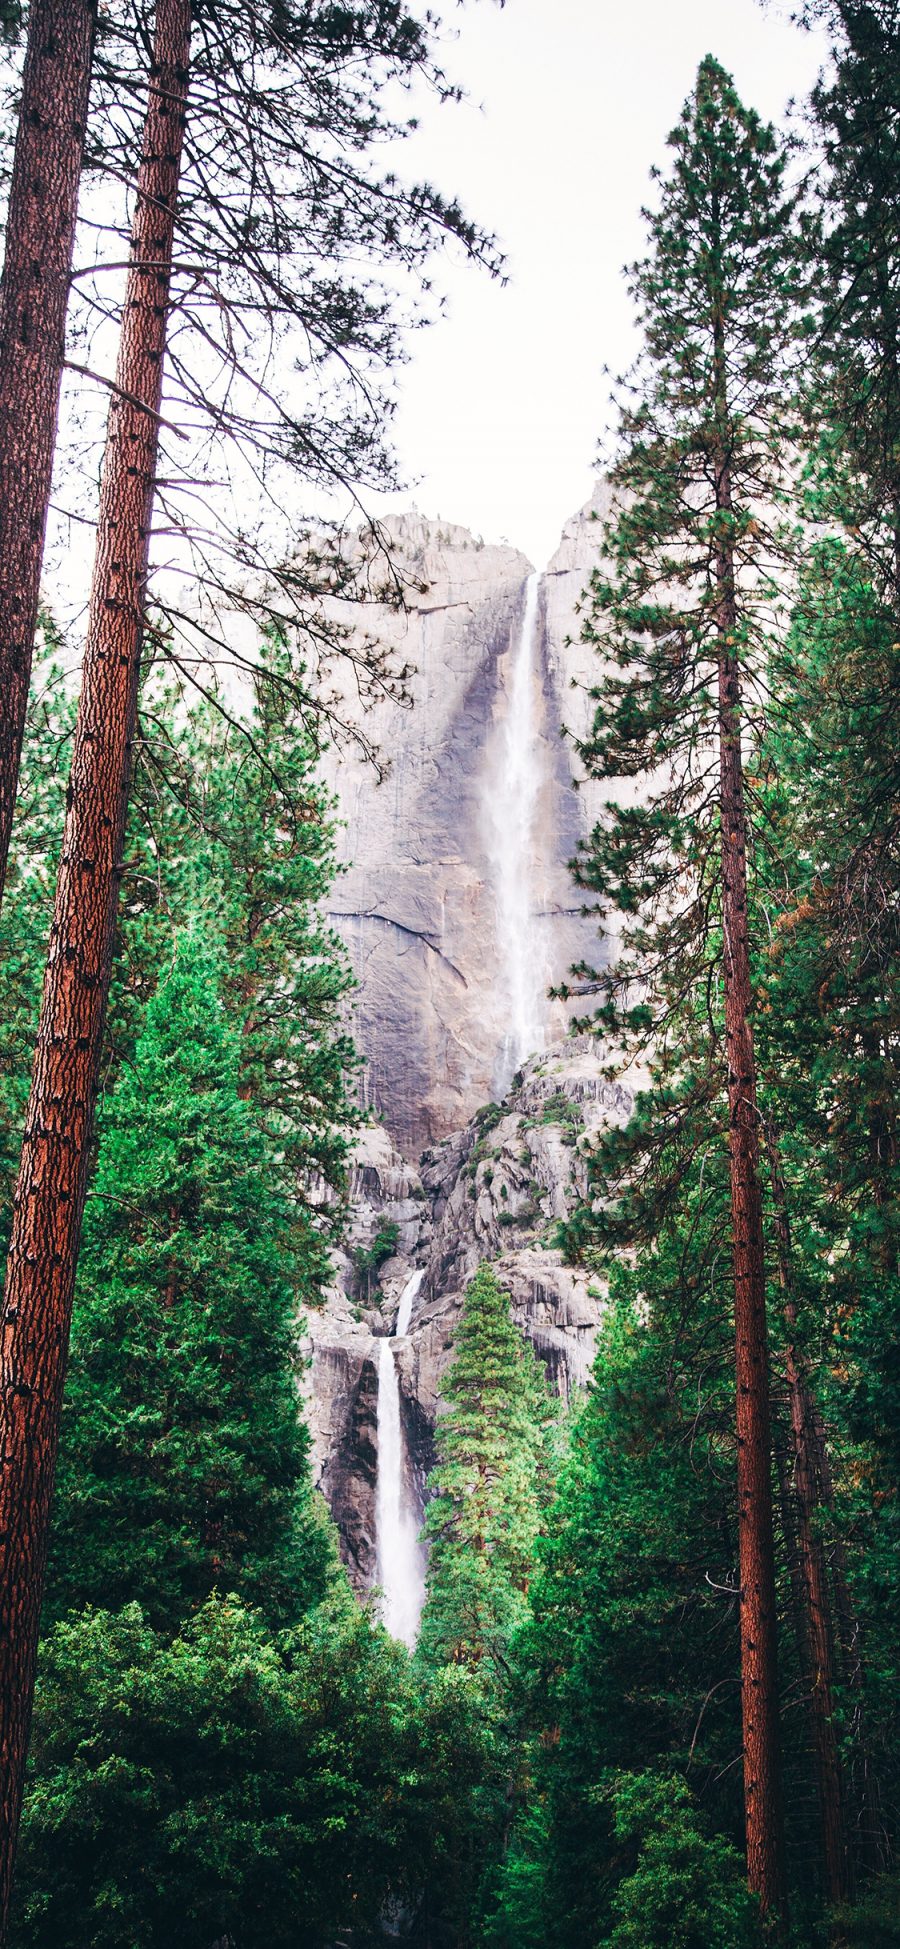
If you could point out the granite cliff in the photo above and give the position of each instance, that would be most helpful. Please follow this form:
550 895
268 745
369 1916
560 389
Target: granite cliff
458 911
420 905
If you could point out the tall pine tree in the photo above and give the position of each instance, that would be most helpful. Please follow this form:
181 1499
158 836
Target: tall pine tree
183 1465
681 611
488 1486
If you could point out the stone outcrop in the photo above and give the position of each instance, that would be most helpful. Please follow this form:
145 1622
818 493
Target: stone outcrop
496 1190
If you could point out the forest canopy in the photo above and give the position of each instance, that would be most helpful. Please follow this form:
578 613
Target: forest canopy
655 1693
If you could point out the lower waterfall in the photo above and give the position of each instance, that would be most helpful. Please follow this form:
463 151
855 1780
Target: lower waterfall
401 1562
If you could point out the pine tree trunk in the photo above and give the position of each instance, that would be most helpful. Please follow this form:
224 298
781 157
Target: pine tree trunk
807 1497
758 1620
50 1192
872 1846
813 1483
759 1660
34 292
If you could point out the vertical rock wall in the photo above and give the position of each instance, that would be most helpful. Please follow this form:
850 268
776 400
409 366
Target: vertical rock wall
416 906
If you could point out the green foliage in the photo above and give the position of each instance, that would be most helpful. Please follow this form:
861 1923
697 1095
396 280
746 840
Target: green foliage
368 1259
558 1768
687 1889
10 20
457 1803
228 827
25 913
874 1922
221 1784
559 1110
228 820
641 1675
629 1659
716 302
488 1487
183 1464
486 1121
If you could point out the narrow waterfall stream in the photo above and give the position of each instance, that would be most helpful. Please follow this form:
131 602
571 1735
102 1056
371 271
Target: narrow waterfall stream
513 834
401 1563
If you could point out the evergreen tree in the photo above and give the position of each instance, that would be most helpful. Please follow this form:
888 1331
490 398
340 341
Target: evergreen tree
229 819
183 1466
228 827
843 694
223 1785
629 1661
829 1023
830 1016
487 1489
855 366
51 1187
301 83
681 609
490 1488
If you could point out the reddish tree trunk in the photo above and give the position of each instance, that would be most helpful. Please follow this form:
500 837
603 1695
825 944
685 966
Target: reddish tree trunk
807 1495
50 1192
759 1659
758 1620
34 291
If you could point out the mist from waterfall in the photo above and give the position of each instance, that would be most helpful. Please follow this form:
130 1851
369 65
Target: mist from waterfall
513 809
400 1557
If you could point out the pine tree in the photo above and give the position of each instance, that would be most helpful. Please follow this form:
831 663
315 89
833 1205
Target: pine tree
682 611
489 1492
34 293
227 826
628 1663
488 1486
831 1003
228 818
224 1785
25 915
183 1465
52 1182
845 688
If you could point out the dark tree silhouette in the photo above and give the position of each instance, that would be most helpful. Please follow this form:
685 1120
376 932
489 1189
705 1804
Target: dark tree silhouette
50 1191
34 291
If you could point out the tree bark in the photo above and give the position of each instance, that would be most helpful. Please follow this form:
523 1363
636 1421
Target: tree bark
758 1619
34 292
807 1495
50 1193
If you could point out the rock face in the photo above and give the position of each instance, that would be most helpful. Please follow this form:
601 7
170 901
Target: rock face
495 1190
458 891
418 905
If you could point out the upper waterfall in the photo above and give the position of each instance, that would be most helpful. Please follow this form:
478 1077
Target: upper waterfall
457 905
513 808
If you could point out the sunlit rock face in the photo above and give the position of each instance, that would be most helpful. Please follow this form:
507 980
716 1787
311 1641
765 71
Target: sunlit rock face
440 868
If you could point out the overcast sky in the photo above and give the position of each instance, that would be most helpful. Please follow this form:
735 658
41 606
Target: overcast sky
570 102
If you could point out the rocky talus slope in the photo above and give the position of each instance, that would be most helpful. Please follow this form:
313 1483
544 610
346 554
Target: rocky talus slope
495 1190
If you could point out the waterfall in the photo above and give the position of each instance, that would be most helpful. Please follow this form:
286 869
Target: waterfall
513 847
401 1565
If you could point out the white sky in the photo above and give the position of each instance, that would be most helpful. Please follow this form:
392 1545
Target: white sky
570 104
